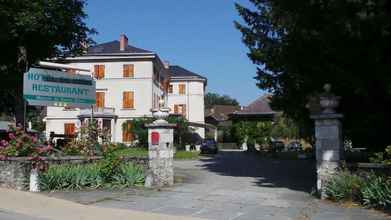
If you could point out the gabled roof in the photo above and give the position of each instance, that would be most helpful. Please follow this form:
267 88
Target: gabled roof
178 71
221 112
113 47
258 108
260 105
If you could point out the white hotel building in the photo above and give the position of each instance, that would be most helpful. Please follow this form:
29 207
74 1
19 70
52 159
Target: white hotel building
129 81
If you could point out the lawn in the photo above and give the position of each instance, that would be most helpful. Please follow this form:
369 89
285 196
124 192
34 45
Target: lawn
133 152
143 152
186 155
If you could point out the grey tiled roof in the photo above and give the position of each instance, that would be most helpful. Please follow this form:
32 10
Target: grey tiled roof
260 106
113 47
221 112
178 71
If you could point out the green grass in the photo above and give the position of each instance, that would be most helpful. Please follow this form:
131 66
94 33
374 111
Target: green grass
132 152
186 155
143 152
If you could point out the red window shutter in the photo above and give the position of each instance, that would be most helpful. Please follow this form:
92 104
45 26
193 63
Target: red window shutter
101 71
69 128
125 99
182 89
96 71
127 135
100 99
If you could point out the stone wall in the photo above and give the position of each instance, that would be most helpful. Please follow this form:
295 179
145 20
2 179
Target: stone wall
15 172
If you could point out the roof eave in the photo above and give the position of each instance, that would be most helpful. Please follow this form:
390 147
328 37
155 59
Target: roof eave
188 78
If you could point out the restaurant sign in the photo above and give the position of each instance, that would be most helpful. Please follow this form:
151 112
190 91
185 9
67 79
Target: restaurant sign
46 87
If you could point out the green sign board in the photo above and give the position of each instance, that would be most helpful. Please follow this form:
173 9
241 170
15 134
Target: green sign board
45 87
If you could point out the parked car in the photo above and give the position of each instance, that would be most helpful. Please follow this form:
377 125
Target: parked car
277 146
209 146
294 146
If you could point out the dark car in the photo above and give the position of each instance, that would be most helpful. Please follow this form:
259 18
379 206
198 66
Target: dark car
209 146
294 146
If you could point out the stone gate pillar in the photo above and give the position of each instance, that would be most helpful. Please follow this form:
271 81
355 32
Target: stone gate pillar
161 150
329 140
161 154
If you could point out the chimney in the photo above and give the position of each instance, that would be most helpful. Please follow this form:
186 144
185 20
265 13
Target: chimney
123 42
166 64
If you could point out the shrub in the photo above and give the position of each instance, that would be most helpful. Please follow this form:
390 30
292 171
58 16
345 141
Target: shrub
21 144
382 157
76 177
87 141
344 186
376 192
110 163
71 177
128 175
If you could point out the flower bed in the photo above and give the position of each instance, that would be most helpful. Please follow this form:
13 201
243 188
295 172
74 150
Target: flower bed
15 171
79 176
367 188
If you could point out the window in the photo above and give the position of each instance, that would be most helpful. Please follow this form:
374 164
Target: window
128 70
180 109
106 125
100 99
69 129
99 71
127 135
182 89
128 100
170 89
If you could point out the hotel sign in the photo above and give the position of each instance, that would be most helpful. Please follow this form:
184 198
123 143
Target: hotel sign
45 87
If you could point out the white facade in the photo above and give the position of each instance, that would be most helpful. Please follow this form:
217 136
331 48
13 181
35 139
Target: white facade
147 84
192 99
113 85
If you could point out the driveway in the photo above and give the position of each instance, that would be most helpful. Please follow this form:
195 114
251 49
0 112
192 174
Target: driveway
232 185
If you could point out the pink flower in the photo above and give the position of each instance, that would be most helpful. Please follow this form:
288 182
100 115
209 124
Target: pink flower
3 143
34 139
11 136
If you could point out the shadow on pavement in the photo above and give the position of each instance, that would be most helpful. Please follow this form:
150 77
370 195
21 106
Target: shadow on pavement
297 175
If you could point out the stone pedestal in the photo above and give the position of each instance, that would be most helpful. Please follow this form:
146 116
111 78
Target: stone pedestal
329 147
161 154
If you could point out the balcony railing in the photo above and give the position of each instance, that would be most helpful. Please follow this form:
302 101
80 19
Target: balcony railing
98 111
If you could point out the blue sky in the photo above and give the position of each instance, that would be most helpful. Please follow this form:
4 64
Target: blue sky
198 35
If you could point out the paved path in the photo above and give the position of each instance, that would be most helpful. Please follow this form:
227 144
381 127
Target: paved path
17 205
234 185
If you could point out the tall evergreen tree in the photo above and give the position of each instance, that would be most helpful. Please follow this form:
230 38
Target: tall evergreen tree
299 46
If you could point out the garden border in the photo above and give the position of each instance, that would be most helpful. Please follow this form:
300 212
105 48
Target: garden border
15 171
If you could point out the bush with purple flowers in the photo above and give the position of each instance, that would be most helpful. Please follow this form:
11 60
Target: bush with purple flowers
21 144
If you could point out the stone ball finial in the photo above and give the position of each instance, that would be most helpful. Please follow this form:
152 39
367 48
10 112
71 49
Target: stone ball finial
327 87
328 101
161 102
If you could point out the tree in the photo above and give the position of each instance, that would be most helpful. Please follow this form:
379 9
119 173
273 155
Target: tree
216 99
299 46
32 30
